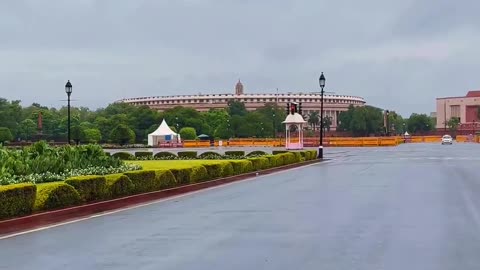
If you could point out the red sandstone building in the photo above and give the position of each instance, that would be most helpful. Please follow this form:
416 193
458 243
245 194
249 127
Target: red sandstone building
466 108
333 104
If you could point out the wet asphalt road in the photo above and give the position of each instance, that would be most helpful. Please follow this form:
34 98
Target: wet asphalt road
409 207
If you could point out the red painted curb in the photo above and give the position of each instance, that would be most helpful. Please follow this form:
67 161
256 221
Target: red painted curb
42 219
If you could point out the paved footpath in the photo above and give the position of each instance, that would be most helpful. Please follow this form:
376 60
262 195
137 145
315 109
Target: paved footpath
409 207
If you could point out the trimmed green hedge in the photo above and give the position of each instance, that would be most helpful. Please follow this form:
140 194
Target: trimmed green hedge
144 180
166 179
17 200
276 152
143 154
166 155
256 153
210 155
274 160
199 174
298 156
260 163
235 153
123 156
119 185
188 154
56 195
313 154
241 166
227 169
183 175
213 170
90 187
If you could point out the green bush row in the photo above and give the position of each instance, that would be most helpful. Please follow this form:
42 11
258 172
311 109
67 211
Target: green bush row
23 199
205 155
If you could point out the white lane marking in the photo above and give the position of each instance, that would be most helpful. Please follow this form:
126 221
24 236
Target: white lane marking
154 202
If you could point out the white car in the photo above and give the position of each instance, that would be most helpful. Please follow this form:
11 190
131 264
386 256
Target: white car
447 139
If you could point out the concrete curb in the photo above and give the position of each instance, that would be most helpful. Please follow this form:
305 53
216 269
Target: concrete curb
42 219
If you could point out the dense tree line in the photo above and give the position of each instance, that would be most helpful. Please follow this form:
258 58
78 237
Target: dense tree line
125 123
368 120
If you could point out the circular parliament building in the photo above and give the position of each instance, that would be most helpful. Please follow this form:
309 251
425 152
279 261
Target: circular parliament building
332 104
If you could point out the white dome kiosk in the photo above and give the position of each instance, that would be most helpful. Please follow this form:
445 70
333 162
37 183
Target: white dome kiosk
163 135
294 122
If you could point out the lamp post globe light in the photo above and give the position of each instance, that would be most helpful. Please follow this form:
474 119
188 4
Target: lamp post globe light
68 90
321 81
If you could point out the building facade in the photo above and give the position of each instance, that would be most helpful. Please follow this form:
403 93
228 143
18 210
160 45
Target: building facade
465 108
333 104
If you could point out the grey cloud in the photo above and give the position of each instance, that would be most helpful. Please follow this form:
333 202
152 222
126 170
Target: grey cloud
396 54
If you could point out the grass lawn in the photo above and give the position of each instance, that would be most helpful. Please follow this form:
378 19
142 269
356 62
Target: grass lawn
170 164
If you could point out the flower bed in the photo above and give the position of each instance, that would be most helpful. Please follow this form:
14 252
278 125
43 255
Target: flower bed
41 163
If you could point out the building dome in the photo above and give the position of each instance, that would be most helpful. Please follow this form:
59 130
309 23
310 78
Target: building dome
239 88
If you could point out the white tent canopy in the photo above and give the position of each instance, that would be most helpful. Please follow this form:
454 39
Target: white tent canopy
163 134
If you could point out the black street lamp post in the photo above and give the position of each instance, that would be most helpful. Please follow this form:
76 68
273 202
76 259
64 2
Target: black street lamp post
321 81
274 129
68 90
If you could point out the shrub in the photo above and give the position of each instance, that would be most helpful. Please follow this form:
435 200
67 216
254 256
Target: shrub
274 160
213 170
183 175
17 200
5 135
56 195
227 169
276 152
144 180
122 134
123 156
289 158
90 187
235 153
256 153
210 155
298 156
165 155
313 154
241 166
165 178
188 133
188 154
259 163
143 155
199 174
119 185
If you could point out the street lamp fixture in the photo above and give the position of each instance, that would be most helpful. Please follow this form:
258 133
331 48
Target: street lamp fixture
68 90
321 82
274 131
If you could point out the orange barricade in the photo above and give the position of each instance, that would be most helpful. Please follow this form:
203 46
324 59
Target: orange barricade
191 144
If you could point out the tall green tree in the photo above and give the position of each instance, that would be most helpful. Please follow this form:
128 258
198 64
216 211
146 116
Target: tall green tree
92 135
5 134
453 124
188 133
236 108
313 119
27 129
418 123
327 123
122 134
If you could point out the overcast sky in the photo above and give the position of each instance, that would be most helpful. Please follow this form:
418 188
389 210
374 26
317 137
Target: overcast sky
399 55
